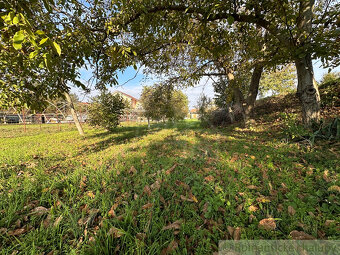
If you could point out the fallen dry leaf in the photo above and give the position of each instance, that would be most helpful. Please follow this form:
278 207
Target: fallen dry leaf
334 188
329 222
17 232
40 210
132 170
237 233
175 225
147 190
147 206
57 221
91 195
193 198
186 199
183 184
171 247
300 235
252 187
267 224
156 185
112 212
116 232
231 231
209 178
171 169
253 208
291 210
3 231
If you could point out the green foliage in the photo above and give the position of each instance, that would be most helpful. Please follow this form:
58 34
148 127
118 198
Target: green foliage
330 90
330 77
205 106
292 128
105 110
164 102
326 131
280 81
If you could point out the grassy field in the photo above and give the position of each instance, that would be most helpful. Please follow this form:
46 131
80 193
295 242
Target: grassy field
172 188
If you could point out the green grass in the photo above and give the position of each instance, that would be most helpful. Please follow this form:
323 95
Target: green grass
207 179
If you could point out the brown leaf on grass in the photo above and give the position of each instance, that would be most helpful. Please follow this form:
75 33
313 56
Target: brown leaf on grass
192 197
83 184
161 198
300 235
325 176
18 224
329 222
267 224
132 170
47 221
3 231
239 208
115 232
263 199
252 157
209 178
171 247
205 207
234 158
334 188
147 206
17 232
171 169
237 233
156 185
112 212
40 210
175 225
91 195
231 230
183 184
252 187
291 210
57 221
147 190
184 198
253 208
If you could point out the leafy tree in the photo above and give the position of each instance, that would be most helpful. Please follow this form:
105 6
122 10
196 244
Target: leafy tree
330 77
280 81
105 110
302 30
162 102
179 103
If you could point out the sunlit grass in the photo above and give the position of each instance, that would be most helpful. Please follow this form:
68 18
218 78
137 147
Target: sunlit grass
115 192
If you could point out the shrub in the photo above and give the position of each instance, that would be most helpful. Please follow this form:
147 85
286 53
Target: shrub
106 110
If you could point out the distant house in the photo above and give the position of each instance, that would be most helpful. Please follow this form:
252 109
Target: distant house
134 102
194 113
135 113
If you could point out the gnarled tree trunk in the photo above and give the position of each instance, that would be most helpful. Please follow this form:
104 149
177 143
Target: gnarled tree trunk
253 90
307 90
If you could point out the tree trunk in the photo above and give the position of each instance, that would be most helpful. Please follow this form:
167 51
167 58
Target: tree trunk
74 114
148 122
307 90
253 90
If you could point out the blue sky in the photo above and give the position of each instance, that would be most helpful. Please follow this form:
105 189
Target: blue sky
135 85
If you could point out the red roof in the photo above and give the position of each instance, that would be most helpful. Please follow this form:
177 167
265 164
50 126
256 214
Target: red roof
117 91
194 111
